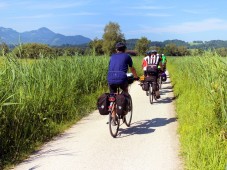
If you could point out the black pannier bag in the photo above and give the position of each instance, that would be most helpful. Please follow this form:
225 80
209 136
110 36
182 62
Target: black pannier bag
149 79
152 69
103 104
164 77
121 104
145 86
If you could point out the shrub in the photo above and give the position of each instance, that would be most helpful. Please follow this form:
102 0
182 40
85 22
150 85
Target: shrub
33 50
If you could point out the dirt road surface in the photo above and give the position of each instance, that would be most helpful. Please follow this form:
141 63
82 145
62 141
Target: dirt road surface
151 143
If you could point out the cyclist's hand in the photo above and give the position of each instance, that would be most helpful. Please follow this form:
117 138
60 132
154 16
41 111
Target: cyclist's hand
137 78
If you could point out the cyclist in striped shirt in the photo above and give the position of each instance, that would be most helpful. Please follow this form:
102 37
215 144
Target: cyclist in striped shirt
150 67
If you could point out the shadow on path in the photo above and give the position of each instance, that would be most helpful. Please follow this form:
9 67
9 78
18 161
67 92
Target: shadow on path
167 88
165 100
145 126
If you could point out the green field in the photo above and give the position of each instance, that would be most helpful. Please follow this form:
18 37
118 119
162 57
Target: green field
41 98
200 85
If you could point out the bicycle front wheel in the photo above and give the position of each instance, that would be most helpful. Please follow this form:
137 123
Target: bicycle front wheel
113 125
128 116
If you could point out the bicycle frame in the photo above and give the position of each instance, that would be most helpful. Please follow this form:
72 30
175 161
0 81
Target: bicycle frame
151 91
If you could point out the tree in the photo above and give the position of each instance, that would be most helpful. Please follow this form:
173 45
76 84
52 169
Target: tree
4 49
182 51
222 51
33 50
170 49
96 46
112 35
142 45
174 50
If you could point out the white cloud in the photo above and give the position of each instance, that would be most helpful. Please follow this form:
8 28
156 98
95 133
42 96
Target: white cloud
3 5
147 11
78 14
189 27
93 25
200 11
143 7
157 15
59 5
33 16
191 11
48 5
145 14
53 15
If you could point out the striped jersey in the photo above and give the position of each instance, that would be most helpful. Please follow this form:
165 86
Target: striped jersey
151 60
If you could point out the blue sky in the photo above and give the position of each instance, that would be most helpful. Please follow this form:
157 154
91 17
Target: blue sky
158 20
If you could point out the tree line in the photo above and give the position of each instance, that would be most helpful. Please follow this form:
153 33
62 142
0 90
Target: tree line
106 46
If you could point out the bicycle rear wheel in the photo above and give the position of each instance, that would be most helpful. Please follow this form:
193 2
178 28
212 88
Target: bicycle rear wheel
160 82
113 125
151 93
128 116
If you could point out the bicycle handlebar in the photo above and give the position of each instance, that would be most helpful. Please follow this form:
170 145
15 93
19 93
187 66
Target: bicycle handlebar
136 78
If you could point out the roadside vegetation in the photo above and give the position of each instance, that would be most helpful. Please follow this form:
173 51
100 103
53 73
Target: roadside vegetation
40 99
44 90
200 86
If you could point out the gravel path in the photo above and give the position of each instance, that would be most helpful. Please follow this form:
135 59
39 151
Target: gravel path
151 143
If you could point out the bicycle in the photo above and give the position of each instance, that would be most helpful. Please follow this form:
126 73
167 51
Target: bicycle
114 123
160 79
151 88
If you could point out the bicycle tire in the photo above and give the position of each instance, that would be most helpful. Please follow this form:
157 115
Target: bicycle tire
160 82
113 128
151 93
128 116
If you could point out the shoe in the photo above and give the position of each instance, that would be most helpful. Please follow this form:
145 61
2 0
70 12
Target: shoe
157 94
147 93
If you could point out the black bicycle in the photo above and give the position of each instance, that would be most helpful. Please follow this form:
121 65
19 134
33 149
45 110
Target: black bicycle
151 88
115 122
160 80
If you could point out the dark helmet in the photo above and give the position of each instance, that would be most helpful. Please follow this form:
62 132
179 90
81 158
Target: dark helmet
148 52
153 52
120 46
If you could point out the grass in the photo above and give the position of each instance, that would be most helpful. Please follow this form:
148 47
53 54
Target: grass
200 85
137 63
41 98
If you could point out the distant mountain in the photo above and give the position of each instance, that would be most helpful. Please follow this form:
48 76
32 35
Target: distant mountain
42 35
132 42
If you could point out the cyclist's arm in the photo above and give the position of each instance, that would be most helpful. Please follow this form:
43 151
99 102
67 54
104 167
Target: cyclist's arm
133 70
144 63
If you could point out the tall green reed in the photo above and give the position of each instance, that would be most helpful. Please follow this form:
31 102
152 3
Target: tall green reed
38 97
200 86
